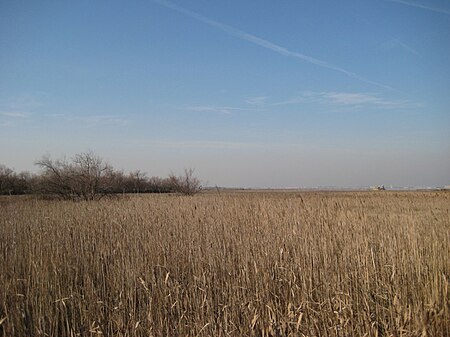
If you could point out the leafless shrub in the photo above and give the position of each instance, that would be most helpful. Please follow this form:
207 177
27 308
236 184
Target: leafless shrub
5 179
137 181
186 184
12 183
158 185
85 177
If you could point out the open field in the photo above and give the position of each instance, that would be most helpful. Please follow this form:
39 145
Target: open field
229 264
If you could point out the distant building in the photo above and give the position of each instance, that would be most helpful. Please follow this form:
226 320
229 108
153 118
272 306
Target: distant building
377 188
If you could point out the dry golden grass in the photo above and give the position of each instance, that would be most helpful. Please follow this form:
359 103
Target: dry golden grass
235 264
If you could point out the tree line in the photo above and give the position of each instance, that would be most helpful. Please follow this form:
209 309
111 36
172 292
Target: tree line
86 176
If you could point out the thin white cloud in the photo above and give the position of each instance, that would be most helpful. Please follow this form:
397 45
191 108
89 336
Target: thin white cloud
14 114
92 120
22 102
359 99
257 100
206 144
55 115
349 99
426 7
265 43
292 100
96 120
212 144
218 109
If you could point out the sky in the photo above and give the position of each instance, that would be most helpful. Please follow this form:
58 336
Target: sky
249 93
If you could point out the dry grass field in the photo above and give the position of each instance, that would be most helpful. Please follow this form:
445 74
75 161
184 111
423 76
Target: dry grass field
229 264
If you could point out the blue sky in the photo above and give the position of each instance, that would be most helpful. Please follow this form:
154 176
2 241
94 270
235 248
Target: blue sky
250 93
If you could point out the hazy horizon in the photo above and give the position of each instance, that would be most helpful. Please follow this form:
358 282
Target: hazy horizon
267 94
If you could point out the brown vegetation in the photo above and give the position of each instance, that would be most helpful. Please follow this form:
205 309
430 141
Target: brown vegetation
12 183
87 177
186 184
234 264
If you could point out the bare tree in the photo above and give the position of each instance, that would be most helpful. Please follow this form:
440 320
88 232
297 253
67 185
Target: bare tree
85 177
137 181
159 185
186 184
6 176
56 179
92 176
15 183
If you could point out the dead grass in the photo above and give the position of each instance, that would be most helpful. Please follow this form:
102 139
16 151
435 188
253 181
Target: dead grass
235 264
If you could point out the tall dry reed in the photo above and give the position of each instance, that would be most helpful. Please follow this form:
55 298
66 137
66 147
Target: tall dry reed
234 264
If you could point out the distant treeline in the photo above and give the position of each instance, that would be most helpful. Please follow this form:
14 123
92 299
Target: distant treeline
87 176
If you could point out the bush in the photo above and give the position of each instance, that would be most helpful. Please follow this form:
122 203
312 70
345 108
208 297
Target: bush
186 184
85 177
12 183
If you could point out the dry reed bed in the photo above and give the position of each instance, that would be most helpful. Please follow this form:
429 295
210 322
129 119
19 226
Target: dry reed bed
235 264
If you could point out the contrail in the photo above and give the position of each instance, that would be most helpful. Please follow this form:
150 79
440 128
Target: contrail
412 4
265 43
